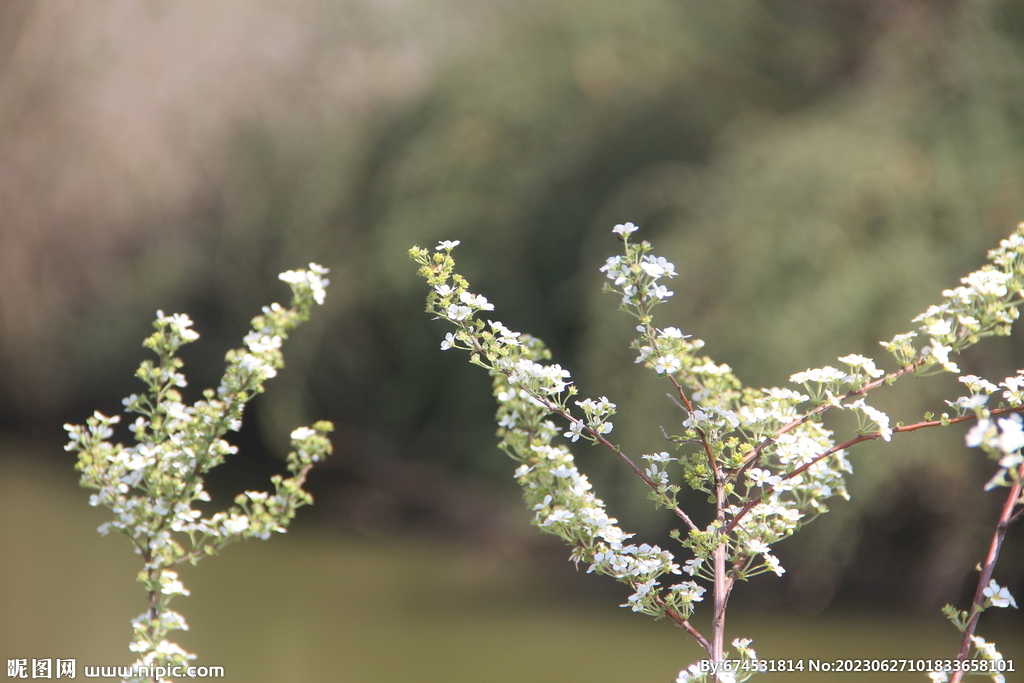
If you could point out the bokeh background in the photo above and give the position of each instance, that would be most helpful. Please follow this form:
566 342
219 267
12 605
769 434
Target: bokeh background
818 170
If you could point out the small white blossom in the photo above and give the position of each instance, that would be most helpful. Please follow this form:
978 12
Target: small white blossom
302 433
667 364
939 328
691 673
998 596
661 292
179 324
237 524
457 313
558 516
760 477
876 416
866 364
659 265
170 585
976 434
478 301
825 374
941 354
575 431
691 567
773 564
1011 437
690 591
625 229
757 546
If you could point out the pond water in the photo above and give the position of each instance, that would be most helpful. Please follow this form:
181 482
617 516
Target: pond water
308 608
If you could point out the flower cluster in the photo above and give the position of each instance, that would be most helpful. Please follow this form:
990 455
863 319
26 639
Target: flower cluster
151 486
1002 438
986 305
763 456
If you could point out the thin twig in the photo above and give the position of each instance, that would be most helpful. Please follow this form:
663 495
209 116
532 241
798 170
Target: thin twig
556 410
684 624
817 410
856 440
986 571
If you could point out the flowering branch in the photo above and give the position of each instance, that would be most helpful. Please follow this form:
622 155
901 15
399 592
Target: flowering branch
988 592
151 486
766 461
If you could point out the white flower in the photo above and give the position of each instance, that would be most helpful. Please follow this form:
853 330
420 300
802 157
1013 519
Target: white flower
691 567
932 312
690 591
661 292
302 433
825 374
673 333
170 585
1011 437
978 384
695 418
939 328
476 301
969 322
876 416
938 676
174 621
558 516
941 354
661 265
317 283
614 270
256 366
866 364
179 324
237 524
691 673
976 434
311 278
447 245
998 596
575 431
507 335
456 312
710 368
543 504
1014 389
773 564
449 341
258 342
624 229
757 546
987 282
759 477
667 364
168 648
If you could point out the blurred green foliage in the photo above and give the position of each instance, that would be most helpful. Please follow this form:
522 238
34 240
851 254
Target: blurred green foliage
818 171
